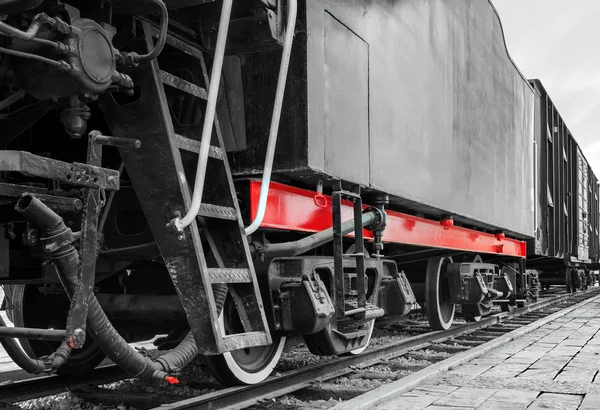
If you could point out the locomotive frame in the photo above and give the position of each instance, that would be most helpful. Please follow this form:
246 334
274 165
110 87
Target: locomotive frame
155 220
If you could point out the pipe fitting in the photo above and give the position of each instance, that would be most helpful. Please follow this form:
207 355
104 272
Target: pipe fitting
22 360
66 260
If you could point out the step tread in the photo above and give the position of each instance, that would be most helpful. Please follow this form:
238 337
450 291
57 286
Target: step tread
183 85
217 212
191 145
230 275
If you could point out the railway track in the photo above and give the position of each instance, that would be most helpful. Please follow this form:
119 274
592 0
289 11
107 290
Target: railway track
342 377
49 385
316 383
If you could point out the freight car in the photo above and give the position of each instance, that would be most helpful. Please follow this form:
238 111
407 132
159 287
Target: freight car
231 174
565 248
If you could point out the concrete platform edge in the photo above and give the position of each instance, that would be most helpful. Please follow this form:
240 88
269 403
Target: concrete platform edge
390 391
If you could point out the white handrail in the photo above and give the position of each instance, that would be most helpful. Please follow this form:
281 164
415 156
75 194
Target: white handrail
213 91
285 62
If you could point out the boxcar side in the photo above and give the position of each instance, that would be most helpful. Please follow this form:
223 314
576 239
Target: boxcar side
566 207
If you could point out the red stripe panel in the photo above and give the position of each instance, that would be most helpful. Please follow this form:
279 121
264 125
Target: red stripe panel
295 209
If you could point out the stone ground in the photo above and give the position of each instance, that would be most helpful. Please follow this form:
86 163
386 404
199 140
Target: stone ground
553 367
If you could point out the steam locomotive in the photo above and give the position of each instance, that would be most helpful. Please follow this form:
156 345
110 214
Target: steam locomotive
231 174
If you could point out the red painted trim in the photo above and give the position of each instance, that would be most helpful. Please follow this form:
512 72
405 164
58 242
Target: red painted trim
295 209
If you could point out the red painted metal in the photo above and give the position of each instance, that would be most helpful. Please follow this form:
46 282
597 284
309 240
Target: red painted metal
291 208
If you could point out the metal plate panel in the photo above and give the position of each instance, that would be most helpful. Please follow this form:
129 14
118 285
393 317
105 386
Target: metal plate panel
451 118
346 102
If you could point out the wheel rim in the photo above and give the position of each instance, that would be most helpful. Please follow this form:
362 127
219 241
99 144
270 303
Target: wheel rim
251 359
34 309
244 366
437 294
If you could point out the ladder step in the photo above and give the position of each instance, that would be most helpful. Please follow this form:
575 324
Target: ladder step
368 312
229 275
183 85
244 340
217 212
191 145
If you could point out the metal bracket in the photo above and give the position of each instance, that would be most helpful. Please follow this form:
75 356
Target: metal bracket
319 297
76 173
93 202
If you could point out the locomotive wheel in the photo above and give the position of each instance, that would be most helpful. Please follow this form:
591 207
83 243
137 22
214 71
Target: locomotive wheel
440 310
37 310
244 366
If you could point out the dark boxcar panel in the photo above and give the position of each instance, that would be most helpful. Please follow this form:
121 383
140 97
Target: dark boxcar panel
418 99
259 78
566 192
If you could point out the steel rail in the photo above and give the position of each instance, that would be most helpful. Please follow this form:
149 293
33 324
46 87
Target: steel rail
43 386
276 386
244 396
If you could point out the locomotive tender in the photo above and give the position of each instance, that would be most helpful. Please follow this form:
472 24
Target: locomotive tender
231 174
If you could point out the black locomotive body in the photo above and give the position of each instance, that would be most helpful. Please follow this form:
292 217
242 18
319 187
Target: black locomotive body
231 173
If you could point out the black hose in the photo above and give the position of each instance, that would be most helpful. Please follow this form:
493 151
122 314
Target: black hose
57 241
19 356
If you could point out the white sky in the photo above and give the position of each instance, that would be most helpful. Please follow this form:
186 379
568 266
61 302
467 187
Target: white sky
558 42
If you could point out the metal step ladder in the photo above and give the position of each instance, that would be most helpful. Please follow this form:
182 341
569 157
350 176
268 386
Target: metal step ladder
360 307
163 173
